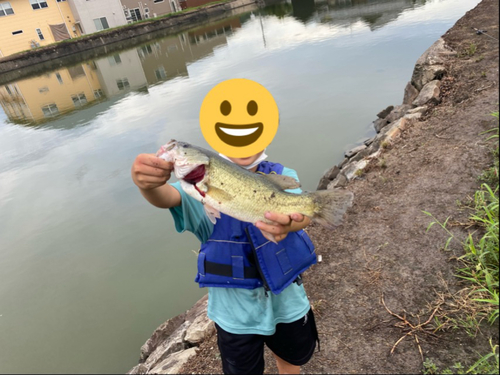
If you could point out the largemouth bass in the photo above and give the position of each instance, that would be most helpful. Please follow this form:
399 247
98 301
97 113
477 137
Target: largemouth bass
222 186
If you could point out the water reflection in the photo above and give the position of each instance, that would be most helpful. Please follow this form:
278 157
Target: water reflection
40 100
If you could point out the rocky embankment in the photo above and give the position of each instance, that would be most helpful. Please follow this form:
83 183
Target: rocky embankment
175 341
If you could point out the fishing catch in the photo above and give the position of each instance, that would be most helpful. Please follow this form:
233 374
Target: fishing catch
222 186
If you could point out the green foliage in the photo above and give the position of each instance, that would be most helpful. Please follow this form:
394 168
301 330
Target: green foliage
487 364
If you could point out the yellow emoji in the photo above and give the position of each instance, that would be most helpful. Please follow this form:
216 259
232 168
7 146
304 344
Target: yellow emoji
239 118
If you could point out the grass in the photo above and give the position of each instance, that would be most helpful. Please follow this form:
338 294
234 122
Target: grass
479 267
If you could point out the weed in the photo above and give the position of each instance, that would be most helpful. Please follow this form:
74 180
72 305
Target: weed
382 163
385 145
359 172
472 49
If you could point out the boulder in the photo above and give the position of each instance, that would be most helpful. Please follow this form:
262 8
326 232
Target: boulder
339 181
379 124
174 362
199 330
327 177
411 94
398 112
385 112
160 335
429 94
420 109
349 154
430 66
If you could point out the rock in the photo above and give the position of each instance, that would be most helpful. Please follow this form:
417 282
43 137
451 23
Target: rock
429 94
420 109
160 335
339 181
327 177
385 112
350 170
139 369
368 141
199 330
343 162
174 343
379 124
411 94
398 112
354 151
174 362
413 116
361 155
430 66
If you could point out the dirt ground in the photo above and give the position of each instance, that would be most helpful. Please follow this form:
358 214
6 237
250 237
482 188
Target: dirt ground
383 250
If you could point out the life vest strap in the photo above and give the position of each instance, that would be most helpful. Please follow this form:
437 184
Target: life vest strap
227 270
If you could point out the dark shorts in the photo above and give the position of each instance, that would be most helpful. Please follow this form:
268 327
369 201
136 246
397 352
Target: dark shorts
244 354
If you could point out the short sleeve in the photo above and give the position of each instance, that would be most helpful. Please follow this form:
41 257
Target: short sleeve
190 216
292 173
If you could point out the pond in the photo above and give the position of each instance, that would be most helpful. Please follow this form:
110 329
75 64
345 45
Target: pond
88 269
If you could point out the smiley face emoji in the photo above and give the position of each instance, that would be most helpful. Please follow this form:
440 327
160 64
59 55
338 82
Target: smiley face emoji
239 118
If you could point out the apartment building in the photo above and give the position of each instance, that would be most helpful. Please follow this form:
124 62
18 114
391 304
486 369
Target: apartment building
97 15
26 24
140 10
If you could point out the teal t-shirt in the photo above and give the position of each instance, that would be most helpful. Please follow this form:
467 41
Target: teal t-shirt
237 310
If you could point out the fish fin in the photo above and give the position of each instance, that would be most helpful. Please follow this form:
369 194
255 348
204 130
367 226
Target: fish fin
269 236
284 182
331 206
212 213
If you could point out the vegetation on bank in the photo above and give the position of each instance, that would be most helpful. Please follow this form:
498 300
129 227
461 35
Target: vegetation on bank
479 268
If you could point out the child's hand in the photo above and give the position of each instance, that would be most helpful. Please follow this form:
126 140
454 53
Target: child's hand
281 225
150 172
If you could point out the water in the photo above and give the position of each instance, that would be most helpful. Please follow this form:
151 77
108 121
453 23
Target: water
88 269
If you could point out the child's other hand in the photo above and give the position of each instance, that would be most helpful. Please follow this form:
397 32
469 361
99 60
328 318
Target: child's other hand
150 172
280 225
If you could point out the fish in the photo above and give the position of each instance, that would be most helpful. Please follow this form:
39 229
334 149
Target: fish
225 187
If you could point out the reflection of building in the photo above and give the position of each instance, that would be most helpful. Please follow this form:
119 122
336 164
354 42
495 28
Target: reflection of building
140 10
96 15
120 73
26 24
168 58
35 99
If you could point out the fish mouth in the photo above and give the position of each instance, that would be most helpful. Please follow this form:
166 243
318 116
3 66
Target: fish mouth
196 175
239 135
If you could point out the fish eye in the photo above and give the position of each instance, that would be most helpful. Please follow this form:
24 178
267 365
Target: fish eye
185 146
252 108
225 108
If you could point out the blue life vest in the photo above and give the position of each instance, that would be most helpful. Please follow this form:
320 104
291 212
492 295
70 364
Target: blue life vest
237 255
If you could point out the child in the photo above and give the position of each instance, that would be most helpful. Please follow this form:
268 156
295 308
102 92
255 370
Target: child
245 319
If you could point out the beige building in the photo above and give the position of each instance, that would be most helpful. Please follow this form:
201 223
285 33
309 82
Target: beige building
96 15
26 24
140 10
34 100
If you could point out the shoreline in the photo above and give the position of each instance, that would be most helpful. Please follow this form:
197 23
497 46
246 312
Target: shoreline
173 345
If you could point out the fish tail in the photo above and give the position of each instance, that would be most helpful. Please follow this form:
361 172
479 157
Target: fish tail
330 206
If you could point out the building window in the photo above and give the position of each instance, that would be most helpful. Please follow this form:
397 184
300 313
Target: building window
114 60
101 23
50 110
38 4
160 73
122 84
40 35
60 1
158 1
59 78
135 14
17 32
98 93
44 89
5 9
79 99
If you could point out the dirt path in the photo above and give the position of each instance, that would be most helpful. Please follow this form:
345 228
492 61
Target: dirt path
383 248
